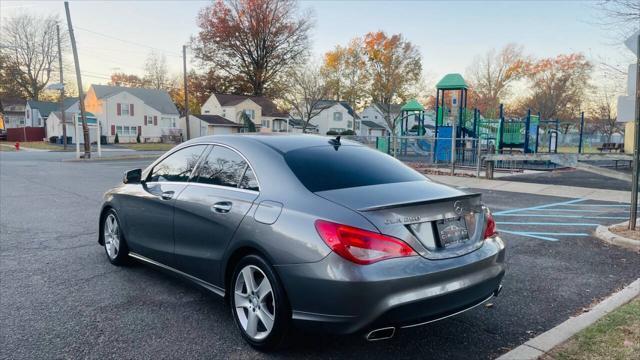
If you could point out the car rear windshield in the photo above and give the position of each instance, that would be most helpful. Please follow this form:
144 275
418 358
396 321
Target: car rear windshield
323 168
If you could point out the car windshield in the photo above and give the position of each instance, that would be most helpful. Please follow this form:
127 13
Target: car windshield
323 168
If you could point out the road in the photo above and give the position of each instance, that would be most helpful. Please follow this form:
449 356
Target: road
60 297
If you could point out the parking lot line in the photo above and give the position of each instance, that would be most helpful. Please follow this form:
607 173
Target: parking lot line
567 216
545 206
544 223
541 235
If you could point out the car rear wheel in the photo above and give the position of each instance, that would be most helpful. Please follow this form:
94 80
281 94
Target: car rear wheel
259 305
114 244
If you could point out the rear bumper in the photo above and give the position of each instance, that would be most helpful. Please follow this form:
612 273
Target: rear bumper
334 295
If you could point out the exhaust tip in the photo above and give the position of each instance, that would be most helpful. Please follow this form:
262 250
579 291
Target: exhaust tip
497 291
381 334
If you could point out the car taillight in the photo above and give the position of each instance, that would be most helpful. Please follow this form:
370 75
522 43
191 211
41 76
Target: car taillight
490 225
361 246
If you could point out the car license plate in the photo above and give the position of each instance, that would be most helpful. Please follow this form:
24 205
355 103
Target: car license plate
452 231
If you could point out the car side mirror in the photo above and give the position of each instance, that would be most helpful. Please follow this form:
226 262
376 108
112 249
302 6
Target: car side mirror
132 176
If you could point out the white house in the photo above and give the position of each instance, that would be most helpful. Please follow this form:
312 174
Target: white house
371 128
375 113
261 110
334 116
74 127
201 125
14 112
130 112
37 112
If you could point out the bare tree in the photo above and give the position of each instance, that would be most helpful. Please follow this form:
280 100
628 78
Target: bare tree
29 47
491 75
602 108
156 72
626 12
307 90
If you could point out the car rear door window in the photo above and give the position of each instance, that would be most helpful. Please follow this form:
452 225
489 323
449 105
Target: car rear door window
249 181
328 167
177 166
222 166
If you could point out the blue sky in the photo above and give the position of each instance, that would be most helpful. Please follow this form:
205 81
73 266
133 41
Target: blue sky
448 34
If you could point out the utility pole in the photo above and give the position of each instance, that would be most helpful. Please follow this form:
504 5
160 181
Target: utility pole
186 92
85 126
636 144
64 123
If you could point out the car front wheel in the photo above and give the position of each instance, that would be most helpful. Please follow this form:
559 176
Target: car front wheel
259 305
114 243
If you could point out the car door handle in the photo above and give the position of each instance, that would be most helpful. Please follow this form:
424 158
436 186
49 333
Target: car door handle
167 195
222 207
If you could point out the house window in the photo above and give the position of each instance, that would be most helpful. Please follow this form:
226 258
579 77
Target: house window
266 123
350 124
124 109
206 111
337 116
119 130
376 117
365 116
251 113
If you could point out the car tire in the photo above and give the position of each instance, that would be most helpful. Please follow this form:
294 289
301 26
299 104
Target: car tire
261 311
115 245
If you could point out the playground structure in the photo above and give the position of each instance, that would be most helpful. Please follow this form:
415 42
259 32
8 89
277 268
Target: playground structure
453 134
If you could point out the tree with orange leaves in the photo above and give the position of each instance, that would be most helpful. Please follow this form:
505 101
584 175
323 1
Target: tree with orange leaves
558 85
345 73
394 65
257 40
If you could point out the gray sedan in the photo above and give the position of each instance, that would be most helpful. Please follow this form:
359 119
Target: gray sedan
306 231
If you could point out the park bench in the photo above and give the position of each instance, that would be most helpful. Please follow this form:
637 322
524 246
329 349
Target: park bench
611 147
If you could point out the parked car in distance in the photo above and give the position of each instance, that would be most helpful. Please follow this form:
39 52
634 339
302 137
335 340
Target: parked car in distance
306 231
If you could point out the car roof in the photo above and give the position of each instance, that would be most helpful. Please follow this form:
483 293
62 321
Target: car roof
282 143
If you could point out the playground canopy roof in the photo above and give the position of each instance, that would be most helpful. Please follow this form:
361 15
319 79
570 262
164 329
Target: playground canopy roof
412 105
451 82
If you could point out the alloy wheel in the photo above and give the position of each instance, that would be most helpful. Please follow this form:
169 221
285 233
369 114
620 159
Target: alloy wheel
254 302
112 236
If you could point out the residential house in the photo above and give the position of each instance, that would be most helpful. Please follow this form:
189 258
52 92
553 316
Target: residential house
14 112
37 112
261 110
335 116
371 128
376 113
296 126
130 112
73 123
201 125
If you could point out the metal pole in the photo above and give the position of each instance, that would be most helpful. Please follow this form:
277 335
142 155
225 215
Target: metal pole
636 144
526 131
501 129
581 130
64 123
538 131
186 92
85 127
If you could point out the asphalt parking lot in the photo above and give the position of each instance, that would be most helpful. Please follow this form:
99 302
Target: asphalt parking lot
60 297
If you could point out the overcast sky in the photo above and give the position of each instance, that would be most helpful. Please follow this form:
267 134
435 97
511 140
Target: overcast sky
448 34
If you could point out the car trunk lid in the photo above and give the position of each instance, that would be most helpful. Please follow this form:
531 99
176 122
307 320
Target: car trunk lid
436 220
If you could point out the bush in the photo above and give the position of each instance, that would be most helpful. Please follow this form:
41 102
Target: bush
348 132
331 132
138 139
116 140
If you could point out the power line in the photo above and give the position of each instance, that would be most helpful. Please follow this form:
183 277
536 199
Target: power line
170 53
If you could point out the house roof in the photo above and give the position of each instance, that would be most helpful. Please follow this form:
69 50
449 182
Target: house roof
451 82
46 107
372 125
157 99
394 108
299 123
325 104
68 116
217 120
268 107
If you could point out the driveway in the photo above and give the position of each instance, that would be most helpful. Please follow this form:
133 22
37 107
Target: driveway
59 296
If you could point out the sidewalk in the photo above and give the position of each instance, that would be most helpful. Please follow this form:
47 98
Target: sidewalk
531 188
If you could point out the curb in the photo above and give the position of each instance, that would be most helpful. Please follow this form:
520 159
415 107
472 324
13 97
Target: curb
115 158
545 342
603 233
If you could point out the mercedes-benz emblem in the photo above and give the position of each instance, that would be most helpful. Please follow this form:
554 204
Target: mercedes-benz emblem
458 207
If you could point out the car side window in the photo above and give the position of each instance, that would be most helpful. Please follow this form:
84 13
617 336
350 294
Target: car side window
177 166
222 166
249 180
